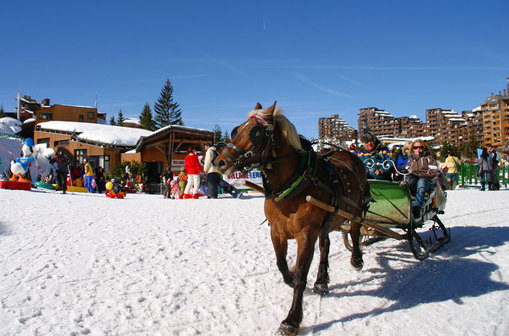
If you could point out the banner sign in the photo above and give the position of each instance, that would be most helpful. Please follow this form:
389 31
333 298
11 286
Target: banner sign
177 164
236 179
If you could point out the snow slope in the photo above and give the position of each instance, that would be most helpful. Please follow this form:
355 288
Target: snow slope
84 264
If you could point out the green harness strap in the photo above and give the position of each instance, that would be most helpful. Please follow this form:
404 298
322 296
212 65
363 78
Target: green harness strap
295 181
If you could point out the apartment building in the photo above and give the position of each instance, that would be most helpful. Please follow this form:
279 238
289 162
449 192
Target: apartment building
475 128
335 130
379 122
495 120
412 127
446 125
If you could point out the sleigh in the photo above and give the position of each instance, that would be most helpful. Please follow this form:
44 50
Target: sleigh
390 216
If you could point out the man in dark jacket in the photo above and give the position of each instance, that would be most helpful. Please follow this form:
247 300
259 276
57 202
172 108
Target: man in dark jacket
494 159
376 158
62 169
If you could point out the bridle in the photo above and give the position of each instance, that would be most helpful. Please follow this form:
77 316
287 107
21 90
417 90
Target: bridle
261 136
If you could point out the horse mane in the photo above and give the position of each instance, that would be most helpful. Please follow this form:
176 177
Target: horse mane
288 130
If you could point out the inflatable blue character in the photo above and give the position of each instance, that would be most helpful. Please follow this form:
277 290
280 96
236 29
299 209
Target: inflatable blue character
20 166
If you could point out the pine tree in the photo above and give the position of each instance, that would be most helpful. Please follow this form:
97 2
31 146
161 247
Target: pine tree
469 148
166 111
217 133
226 137
146 120
112 121
2 112
120 118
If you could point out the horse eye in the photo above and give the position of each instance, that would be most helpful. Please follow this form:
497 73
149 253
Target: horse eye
234 132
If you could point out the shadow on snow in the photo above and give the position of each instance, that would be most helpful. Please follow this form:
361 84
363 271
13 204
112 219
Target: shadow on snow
431 280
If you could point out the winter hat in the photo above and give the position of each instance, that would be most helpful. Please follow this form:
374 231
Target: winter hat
368 137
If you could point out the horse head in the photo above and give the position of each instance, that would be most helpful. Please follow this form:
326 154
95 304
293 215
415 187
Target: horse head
251 142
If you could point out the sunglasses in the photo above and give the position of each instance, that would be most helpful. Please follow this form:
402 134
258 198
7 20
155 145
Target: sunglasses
418 147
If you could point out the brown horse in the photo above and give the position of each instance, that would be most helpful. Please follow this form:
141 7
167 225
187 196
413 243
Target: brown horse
290 172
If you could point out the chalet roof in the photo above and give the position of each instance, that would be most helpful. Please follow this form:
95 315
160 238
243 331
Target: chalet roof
182 131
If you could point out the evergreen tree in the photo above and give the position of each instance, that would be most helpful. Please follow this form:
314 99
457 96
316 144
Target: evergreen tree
120 118
146 120
469 148
226 137
112 121
2 112
166 111
217 133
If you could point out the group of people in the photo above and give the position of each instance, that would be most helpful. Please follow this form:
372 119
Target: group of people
94 179
417 168
488 164
198 174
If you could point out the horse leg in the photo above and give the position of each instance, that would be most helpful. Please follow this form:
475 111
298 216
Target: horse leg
355 233
322 280
305 250
281 248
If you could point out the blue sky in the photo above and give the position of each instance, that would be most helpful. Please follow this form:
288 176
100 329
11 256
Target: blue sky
316 58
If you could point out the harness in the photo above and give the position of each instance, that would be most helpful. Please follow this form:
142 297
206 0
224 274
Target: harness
337 184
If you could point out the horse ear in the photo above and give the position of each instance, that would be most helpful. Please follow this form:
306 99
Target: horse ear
271 109
258 106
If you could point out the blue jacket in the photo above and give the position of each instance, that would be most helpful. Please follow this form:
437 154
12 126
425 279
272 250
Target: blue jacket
378 160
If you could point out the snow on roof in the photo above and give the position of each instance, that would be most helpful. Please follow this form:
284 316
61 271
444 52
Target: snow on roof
84 106
134 121
10 125
457 119
183 128
107 134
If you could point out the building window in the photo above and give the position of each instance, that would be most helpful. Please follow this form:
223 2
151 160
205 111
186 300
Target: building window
46 116
80 154
104 161
43 141
90 115
61 143
80 118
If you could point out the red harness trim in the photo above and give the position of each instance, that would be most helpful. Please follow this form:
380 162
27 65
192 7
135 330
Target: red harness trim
260 118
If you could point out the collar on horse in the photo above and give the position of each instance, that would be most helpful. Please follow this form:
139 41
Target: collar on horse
299 180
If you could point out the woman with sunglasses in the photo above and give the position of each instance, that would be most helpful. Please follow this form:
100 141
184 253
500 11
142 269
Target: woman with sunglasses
423 170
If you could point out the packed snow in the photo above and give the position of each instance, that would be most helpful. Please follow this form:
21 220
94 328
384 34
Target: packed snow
83 264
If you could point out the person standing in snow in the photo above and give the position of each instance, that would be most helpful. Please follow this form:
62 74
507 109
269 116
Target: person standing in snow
484 169
214 180
494 159
453 164
166 178
193 168
99 179
89 175
182 182
62 170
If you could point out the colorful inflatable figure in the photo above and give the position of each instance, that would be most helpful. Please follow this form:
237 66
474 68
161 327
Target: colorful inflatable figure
20 166
114 189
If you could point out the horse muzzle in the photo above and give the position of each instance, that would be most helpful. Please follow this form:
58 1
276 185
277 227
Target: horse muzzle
224 164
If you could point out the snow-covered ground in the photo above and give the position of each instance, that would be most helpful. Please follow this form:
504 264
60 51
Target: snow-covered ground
84 264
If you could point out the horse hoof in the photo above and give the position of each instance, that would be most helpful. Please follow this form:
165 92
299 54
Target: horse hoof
357 263
287 330
320 288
